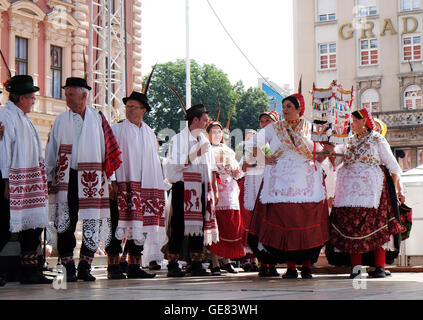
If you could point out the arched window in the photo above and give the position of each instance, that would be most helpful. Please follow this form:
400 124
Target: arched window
413 97
370 100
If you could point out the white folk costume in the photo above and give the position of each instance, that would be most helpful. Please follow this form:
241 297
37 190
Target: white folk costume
24 166
290 219
25 210
193 204
93 191
228 214
363 217
193 175
141 194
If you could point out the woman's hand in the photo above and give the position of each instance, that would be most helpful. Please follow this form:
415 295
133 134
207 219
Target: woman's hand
401 197
270 160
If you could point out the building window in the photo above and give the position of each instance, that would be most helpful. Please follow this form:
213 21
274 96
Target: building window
327 56
413 98
370 100
419 156
21 55
326 10
369 52
410 5
366 8
56 72
411 46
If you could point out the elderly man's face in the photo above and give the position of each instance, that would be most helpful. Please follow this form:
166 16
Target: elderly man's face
75 99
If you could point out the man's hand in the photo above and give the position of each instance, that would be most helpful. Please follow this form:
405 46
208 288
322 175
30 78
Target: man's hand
6 189
113 190
1 130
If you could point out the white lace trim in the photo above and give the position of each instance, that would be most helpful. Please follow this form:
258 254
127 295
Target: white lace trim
131 233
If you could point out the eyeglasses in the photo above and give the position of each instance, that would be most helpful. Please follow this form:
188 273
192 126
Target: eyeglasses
133 107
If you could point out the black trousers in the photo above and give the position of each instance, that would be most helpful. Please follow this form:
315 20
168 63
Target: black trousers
195 243
115 245
29 239
66 241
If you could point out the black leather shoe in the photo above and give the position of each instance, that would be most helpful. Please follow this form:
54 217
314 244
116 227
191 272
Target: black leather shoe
173 270
114 273
290 274
33 276
153 265
228 267
70 272
306 273
215 271
123 266
84 273
135 272
272 272
263 271
197 270
378 273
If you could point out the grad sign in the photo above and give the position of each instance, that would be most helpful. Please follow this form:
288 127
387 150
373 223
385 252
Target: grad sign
273 97
366 28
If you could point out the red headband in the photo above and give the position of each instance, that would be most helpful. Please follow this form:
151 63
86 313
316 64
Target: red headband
370 122
272 114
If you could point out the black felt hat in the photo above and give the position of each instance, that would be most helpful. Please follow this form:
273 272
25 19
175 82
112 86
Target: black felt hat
196 111
141 97
21 84
76 82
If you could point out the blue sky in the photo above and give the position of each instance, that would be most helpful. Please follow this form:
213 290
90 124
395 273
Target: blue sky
262 29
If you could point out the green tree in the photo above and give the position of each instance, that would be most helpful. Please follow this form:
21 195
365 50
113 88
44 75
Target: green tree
209 86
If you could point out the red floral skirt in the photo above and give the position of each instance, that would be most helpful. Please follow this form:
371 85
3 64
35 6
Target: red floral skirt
291 226
359 230
231 236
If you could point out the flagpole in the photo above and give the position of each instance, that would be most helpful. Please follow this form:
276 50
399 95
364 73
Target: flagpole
187 60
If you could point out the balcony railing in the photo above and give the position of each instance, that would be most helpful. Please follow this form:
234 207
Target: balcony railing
403 118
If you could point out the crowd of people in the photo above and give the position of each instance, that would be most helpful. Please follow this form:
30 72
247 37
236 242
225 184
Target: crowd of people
279 201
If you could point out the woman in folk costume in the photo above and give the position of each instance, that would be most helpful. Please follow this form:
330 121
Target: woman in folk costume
140 188
363 217
191 169
228 216
24 200
81 155
249 187
290 220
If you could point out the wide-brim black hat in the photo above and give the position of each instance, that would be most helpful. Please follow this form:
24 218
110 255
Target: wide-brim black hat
196 111
76 82
21 84
141 97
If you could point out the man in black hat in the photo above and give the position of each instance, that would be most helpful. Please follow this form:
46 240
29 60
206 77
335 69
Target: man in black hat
24 204
81 155
139 214
190 167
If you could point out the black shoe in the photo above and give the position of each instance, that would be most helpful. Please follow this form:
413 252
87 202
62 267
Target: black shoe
173 270
2 282
290 274
197 270
215 271
123 266
272 272
306 273
378 273
355 274
263 271
228 267
114 273
246 267
84 273
71 272
254 267
34 276
135 272
153 265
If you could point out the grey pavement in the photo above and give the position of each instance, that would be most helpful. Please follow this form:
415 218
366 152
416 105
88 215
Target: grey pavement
241 286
